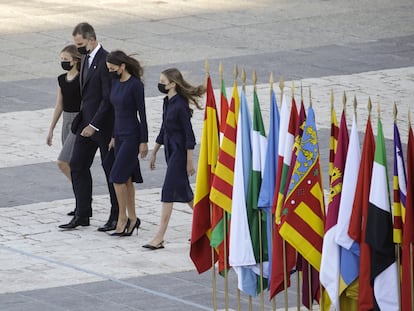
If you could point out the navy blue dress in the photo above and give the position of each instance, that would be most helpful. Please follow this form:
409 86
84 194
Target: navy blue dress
177 136
129 131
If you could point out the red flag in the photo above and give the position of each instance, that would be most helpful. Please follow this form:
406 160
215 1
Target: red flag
357 226
408 232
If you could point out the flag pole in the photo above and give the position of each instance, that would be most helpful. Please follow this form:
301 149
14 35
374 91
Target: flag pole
271 82
309 265
213 266
281 86
254 77
297 272
235 74
243 78
411 245
226 280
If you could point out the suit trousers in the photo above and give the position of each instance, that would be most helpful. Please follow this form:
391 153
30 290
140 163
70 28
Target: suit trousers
82 158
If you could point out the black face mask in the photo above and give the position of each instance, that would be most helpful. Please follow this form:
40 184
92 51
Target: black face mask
115 75
83 50
66 65
161 88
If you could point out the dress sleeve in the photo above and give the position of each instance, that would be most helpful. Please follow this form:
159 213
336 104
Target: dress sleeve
140 105
185 120
160 137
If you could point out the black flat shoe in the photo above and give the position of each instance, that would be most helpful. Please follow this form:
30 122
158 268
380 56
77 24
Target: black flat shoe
154 247
137 224
123 231
75 222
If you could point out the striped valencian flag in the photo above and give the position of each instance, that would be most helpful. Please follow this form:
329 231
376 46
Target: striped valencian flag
303 226
379 233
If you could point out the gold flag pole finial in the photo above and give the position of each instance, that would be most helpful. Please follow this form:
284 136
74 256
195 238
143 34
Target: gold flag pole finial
301 91
271 82
236 72
310 97
281 86
243 77
395 112
344 102
332 100
221 70
409 118
369 107
355 107
293 89
379 110
207 66
254 77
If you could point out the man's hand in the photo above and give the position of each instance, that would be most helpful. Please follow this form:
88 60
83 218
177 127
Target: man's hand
88 131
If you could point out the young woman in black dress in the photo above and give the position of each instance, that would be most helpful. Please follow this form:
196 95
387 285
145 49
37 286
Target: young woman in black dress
67 103
130 136
177 136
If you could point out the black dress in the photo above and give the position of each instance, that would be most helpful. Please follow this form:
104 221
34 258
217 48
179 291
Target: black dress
127 98
177 136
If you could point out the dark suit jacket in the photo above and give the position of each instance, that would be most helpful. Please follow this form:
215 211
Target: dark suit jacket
96 107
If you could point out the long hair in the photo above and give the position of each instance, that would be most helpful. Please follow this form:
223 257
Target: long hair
132 65
185 89
73 52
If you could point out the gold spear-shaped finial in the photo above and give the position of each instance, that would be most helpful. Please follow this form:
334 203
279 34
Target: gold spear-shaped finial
310 97
409 118
332 100
254 77
293 89
369 107
281 86
379 110
395 112
355 106
344 102
236 72
271 81
301 91
221 71
207 67
243 77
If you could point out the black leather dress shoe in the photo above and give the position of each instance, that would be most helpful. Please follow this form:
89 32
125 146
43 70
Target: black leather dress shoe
110 225
71 213
75 222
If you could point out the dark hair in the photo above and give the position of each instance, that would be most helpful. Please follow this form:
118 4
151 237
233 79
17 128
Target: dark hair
185 89
73 51
84 29
131 64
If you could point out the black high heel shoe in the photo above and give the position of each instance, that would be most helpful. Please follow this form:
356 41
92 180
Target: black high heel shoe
129 233
123 231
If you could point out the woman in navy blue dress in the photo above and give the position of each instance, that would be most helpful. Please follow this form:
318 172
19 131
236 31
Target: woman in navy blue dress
177 136
130 136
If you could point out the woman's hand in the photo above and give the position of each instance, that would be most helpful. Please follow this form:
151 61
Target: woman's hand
152 160
190 167
143 150
49 138
111 144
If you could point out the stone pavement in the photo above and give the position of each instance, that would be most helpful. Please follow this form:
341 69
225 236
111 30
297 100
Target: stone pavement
325 45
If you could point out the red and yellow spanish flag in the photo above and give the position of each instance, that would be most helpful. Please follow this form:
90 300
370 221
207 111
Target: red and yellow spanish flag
200 250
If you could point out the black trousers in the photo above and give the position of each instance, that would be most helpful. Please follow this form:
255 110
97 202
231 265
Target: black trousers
83 155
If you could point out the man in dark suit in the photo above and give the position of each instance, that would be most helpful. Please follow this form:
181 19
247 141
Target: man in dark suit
94 129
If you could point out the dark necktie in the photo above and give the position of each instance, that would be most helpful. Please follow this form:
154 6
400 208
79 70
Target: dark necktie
85 69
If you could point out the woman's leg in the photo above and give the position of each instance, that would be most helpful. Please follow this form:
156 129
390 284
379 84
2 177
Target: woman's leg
121 195
65 168
166 212
131 204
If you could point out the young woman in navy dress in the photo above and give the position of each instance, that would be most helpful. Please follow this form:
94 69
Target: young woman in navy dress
177 136
130 136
